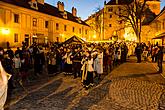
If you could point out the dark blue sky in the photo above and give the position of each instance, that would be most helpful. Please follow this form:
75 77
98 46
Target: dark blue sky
84 7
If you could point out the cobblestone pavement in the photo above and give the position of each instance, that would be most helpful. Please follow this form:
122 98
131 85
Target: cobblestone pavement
131 86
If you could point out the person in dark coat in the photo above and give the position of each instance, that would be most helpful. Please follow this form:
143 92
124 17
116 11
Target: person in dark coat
18 51
36 61
10 53
76 63
160 58
7 63
138 52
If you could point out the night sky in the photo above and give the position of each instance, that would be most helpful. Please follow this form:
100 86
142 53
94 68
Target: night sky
84 7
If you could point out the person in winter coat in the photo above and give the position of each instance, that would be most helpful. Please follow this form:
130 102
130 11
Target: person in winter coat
87 74
138 52
99 64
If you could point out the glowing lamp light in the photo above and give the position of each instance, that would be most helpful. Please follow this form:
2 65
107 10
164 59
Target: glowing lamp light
5 31
94 36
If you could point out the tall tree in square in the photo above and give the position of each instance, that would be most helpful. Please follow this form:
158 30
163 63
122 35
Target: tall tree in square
134 13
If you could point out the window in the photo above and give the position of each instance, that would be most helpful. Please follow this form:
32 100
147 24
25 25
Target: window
120 10
120 22
57 38
15 37
163 24
65 28
120 16
86 31
16 18
80 30
110 9
57 26
34 22
34 4
73 29
110 16
110 25
46 24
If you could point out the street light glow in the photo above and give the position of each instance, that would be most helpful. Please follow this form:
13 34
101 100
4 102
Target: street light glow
94 36
5 31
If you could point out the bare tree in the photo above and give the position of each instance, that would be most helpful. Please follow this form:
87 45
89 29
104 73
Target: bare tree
96 25
133 13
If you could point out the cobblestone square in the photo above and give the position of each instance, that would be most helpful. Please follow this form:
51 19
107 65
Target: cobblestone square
130 86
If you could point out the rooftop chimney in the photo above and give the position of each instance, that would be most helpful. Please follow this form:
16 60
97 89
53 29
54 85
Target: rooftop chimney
74 11
105 2
60 6
41 1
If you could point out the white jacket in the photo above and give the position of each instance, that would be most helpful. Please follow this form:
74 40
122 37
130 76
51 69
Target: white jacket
17 62
3 87
67 57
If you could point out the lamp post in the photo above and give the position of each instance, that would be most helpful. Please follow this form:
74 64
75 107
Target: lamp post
6 32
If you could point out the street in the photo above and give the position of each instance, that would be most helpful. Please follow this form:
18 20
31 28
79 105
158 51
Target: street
130 86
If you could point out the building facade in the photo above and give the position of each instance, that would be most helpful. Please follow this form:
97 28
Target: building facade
36 21
156 29
112 25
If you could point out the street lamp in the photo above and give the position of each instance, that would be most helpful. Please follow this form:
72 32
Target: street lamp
5 31
94 36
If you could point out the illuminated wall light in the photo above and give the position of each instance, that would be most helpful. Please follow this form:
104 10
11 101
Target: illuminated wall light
94 36
5 31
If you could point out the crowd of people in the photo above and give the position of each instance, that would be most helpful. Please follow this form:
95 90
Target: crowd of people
87 61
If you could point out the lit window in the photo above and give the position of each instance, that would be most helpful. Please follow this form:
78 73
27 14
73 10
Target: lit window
65 28
34 22
57 26
16 18
46 24
15 37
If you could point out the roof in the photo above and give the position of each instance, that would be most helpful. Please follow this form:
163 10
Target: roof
46 9
120 2
160 36
98 13
149 17
74 40
157 16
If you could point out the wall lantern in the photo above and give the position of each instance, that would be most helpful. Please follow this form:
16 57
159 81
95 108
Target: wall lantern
5 31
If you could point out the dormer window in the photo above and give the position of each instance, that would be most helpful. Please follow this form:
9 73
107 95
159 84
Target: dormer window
33 4
64 14
78 19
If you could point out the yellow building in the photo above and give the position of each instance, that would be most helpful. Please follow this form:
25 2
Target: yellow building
157 28
111 24
36 21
